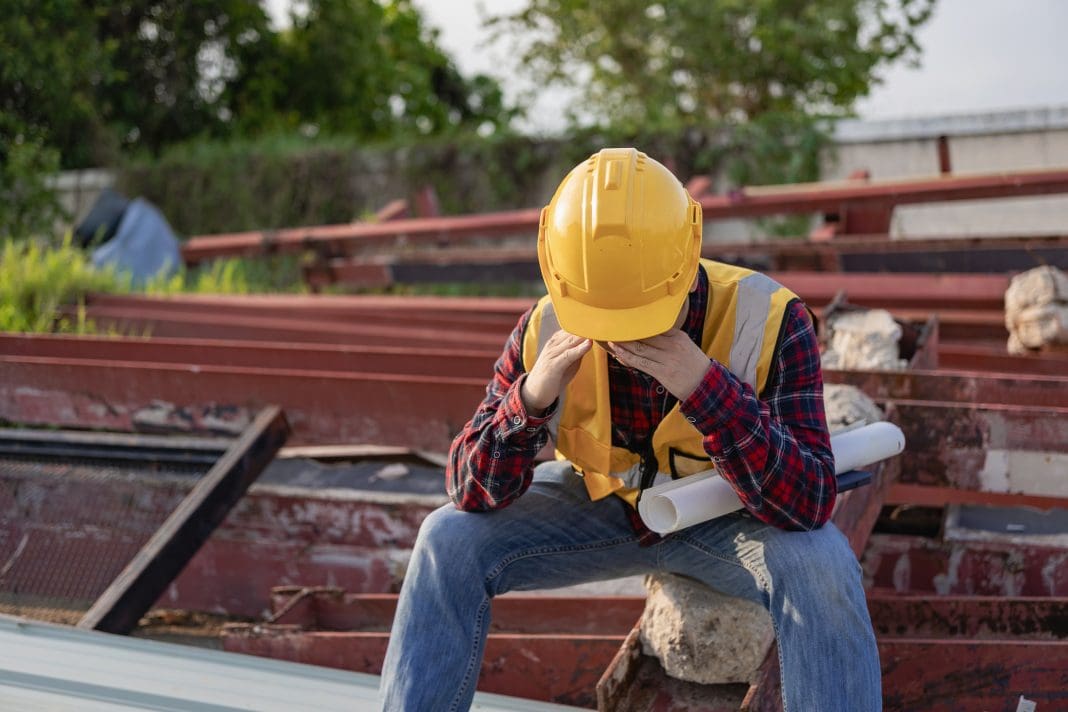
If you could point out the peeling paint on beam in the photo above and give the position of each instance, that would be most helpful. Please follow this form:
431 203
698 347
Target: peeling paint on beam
1010 567
956 386
973 676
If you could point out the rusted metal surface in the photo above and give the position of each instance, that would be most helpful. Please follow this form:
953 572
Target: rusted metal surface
973 675
983 447
996 358
331 608
957 386
418 312
560 668
347 236
926 496
163 556
150 322
977 617
909 564
420 412
461 363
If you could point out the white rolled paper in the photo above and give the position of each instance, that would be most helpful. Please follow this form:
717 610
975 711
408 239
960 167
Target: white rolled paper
691 500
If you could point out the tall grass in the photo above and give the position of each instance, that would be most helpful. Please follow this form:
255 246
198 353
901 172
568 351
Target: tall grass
36 280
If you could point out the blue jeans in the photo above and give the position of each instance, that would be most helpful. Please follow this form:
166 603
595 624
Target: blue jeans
555 536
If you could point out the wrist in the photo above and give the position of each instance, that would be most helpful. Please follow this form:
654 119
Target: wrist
534 404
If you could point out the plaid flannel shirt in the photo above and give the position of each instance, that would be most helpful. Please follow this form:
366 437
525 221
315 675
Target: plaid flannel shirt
773 449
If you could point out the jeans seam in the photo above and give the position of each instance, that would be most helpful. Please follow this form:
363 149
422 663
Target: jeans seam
473 658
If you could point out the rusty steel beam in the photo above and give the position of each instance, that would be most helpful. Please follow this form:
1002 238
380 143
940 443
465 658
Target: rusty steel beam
997 359
561 668
926 496
833 197
977 617
165 554
340 358
1006 448
346 236
1003 566
743 202
956 386
420 412
972 675
435 315
333 609
329 306
167 323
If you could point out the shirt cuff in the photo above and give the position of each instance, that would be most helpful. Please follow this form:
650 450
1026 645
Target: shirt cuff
711 405
516 420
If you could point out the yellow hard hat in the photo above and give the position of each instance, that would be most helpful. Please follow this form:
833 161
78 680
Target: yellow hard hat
619 245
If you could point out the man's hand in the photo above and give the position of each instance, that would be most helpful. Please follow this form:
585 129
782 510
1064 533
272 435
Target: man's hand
557 364
671 358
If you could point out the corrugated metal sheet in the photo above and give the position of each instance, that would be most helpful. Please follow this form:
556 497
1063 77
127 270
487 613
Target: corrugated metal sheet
55 668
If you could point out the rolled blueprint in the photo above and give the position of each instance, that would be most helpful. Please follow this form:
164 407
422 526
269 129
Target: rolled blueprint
691 500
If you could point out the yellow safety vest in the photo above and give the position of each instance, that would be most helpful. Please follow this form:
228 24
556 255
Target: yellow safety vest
743 319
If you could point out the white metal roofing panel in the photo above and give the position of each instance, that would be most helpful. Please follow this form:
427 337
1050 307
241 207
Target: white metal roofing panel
57 668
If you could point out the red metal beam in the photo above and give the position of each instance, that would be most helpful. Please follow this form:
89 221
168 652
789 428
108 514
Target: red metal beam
1005 567
924 496
433 314
335 610
956 386
985 358
972 675
952 444
744 202
323 407
169 323
556 668
980 617
340 358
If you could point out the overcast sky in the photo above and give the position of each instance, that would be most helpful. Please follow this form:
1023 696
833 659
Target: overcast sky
978 55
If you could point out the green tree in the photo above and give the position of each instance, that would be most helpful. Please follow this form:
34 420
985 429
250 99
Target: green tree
373 69
651 62
173 63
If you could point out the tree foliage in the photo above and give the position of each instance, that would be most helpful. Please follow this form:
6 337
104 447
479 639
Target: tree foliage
651 62
91 76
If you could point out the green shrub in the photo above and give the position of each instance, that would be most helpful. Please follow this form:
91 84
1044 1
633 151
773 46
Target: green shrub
36 280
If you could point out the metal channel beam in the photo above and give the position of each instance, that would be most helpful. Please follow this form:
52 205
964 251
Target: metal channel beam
461 363
330 306
744 202
925 496
434 316
166 450
324 407
200 324
1005 448
558 668
333 609
162 558
969 357
973 675
957 386
978 617
1005 566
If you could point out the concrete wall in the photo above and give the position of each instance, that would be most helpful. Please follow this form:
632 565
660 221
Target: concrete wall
986 143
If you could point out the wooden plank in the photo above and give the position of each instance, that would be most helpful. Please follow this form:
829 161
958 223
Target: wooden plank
163 556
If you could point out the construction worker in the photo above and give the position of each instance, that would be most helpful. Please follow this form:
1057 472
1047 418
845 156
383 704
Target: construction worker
644 362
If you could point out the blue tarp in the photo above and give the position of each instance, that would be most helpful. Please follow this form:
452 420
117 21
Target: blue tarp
144 244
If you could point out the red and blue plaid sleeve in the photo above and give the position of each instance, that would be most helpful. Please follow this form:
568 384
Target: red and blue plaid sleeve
775 449
491 461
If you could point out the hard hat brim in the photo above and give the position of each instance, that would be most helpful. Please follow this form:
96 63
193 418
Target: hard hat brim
631 324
